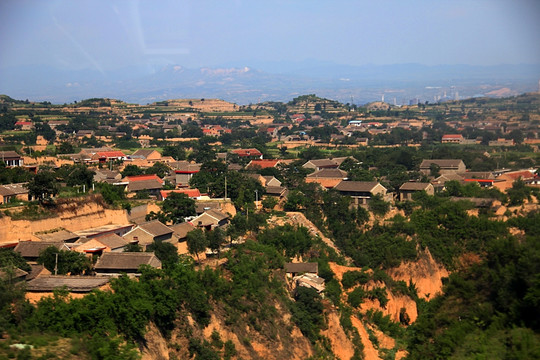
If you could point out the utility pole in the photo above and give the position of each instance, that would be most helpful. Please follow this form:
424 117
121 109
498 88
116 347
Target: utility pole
56 264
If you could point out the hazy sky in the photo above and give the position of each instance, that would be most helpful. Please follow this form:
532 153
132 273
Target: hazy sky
109 34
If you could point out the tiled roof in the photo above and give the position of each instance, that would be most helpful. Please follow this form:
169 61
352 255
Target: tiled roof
414 186
246 152
156 228
109 154
13 189
58 236
143 153
9 155
182 229
328 173
443 163
312 267
192 193
113 241
72 283
126 261
356 186
33 248
145 185
263 164
322 163
143 178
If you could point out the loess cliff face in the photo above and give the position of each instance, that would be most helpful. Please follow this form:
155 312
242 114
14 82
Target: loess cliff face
74 216
425 273
286 341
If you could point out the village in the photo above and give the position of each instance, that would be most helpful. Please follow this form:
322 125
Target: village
97 190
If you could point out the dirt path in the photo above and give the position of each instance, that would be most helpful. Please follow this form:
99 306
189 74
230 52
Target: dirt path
297 218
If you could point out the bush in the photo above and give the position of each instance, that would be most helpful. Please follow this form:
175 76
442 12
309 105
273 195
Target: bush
352 278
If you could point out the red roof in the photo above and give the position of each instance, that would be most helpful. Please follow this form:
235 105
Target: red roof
452 136
23 123
519 175
247 152
263 164
192 193
144 177
111 154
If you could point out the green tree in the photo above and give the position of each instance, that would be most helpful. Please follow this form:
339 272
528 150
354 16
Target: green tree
167 253
132 170
378 206
160 169
69 262
197 242
216 239
177 206
43 186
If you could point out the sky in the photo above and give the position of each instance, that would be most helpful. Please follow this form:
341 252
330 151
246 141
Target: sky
107 35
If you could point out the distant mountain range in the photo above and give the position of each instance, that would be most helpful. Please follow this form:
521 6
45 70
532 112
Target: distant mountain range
279 81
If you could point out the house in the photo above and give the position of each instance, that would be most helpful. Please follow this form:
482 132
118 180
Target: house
13 192
30 250
113 263
16 275
11 158
409 188
211 219
445 166
277 191
146 154
101 244
191 193
180 236
327 178
270 181
184 171
305 274
502 142
320 164
148 232
24 125
452 139
262 164
439 182
58 236
149 183
293 269
119 230
81 134
253 153
108 176
74 284
506 180
361 191
106 156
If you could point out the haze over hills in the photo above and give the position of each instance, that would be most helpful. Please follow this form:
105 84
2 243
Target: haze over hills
279 81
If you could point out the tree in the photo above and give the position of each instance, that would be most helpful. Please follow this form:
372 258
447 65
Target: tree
12 259
132 170
378 206
196 242
160 169
69 262
518 192
167 253
177 206
75 175
216 238
269 203
43 186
